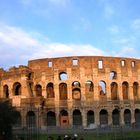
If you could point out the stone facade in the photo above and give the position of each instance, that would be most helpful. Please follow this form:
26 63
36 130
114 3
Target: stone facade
74 91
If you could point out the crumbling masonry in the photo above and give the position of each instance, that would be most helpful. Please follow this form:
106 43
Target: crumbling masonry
74 91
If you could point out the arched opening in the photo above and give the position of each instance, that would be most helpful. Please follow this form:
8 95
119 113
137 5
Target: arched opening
18 120
137 117
114 91
63 76
76 91
77 118
38 90
116 117
64 120
127 117
76 94
17 88
63 91
103 118
90 117
6 91
102 90
125 89
50 90
30 119
29 76
113 75
89 86
51 119
135 90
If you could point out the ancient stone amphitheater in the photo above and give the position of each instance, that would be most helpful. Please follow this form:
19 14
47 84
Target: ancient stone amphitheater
74 91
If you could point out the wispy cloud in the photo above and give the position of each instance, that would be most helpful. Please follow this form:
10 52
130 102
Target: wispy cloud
61 50
26 2
18 46
15 37
62 3
47 8
107 8
108 11
114 29
129 52
136 24
83 25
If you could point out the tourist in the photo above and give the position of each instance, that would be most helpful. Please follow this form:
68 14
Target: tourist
66 137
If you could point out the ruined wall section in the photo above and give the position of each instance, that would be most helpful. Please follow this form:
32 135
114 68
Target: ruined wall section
78 68
87 68
15 76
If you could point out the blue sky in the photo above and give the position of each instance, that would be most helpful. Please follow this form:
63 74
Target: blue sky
32 29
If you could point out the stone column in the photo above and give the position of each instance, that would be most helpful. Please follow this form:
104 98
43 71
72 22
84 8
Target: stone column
57 117
24 87
95 82
132 116
120 94
122 117
97 117
56 91
131 95
70 118
138 91
110 117
23 117
37 114
42 119
44 94
83 98
84 119
10 91
96 92
108 91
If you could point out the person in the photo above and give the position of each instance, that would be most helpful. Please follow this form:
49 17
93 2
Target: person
65 137
75 137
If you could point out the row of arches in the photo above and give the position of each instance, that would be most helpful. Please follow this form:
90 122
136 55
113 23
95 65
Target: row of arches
76 90
51 120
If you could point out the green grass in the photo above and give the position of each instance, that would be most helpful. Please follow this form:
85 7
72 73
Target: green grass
95 136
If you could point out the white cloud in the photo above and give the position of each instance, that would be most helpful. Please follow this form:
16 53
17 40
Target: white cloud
14 36
108 11
61 50
136 24
62 3
47 8
128 52
18 46
83 24
26 2
114 29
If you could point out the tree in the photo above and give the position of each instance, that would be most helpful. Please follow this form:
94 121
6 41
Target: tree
8 117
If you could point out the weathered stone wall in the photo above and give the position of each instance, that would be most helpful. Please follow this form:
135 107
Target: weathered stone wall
91 86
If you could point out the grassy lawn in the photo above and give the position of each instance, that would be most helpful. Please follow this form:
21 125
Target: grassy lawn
95 136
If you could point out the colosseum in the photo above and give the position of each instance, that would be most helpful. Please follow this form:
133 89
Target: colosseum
78 91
